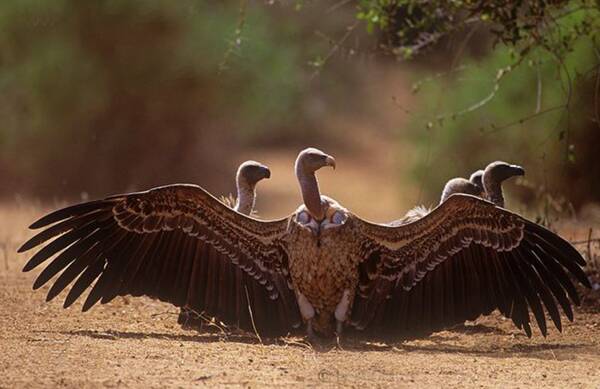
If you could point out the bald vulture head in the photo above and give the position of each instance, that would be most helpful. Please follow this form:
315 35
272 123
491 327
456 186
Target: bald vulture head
250 172
494 174
248 175
308 162
460 185
311 159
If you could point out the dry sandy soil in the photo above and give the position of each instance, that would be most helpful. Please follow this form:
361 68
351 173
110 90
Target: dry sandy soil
137 343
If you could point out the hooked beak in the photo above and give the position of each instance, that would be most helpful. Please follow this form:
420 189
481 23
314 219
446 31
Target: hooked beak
518 170
267 172
330 161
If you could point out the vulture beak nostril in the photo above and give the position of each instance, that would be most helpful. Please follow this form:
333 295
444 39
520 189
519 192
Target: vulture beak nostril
330 161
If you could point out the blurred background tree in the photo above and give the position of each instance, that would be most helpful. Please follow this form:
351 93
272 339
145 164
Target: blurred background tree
512 80
105 96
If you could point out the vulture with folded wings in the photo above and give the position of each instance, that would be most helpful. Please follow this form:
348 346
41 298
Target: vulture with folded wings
468 256
486 184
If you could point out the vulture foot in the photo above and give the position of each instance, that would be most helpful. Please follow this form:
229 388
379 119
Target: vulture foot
310 333
338 341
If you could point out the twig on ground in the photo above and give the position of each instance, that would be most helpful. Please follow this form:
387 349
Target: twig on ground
162 314
303 344
210 322
252 316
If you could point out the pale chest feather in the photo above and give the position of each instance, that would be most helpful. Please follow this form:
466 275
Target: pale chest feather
323 266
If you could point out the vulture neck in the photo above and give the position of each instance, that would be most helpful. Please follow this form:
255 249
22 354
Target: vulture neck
493 190
310 193
246 196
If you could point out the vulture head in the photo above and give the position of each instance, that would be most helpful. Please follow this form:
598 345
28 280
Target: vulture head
248 175
493 176
499 171
251 172
308 162
460 185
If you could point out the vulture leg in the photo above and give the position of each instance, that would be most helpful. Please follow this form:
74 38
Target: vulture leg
308 313
341 312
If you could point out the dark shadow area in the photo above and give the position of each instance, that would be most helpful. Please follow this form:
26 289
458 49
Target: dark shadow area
434 344
323 345
552 351
477 329
208 337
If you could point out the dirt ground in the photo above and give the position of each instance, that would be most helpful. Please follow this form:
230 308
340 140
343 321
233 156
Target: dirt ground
137 343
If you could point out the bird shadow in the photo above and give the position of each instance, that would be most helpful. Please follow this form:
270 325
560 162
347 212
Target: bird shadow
207 337
477 329
433 344
321 345
545 351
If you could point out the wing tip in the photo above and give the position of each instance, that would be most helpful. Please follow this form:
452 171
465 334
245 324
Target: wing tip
28 267
30 244
50 297
36 224
38 283
89 303
68 302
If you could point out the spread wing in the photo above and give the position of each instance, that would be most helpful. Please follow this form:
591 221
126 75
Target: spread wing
464 259
160 243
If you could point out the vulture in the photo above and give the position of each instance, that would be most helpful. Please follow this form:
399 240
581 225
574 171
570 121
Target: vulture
230 284
486 184
492 178
466 258
249 173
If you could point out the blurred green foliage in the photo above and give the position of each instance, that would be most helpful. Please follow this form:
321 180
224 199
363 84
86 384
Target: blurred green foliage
134 90
408 27
540 112
110 95
528 89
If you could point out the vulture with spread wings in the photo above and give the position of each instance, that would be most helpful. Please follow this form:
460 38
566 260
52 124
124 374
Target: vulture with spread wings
220 288
465 258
